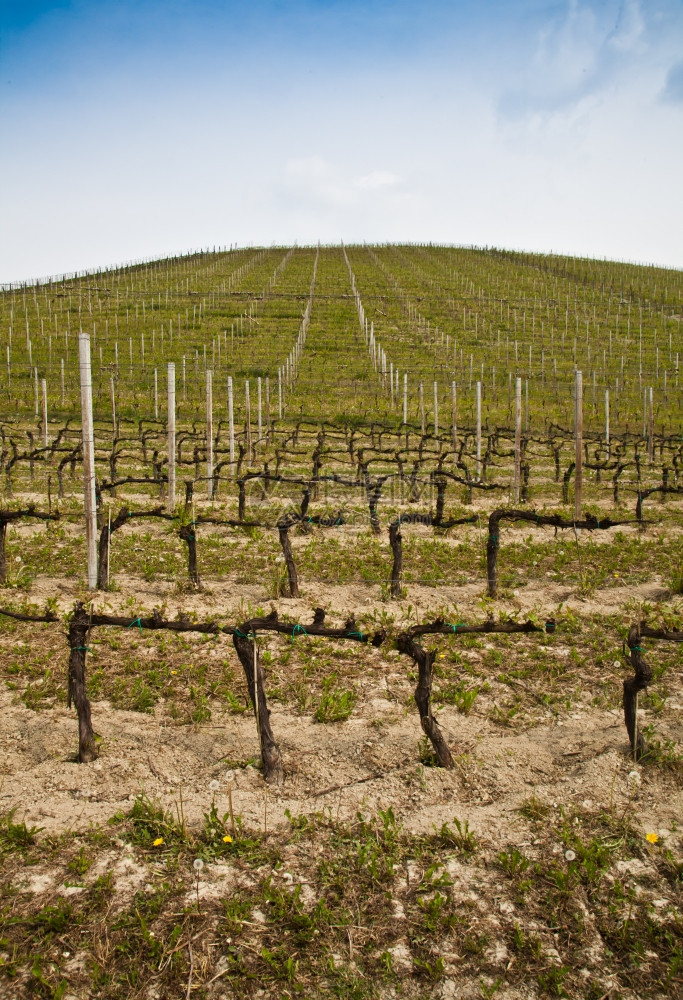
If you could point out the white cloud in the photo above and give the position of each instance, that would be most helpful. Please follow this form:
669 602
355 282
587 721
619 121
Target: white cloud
376 180
630 27
316 179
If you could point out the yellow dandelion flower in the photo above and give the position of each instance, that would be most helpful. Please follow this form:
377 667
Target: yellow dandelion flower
651 838
158 842
174 671
616 575
227 839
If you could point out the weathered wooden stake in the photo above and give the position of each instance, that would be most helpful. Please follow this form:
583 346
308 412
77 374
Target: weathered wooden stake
231 424
247 427
43 392
170 428
578 443
478 399
209 433
518 441
88 457
396 542
259 408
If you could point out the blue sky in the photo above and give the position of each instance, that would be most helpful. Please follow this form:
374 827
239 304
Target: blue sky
134 128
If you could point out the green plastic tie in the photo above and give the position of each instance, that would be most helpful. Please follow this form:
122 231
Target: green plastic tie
136 621
636 649
87 649
298 630
454 628
354 635
249 635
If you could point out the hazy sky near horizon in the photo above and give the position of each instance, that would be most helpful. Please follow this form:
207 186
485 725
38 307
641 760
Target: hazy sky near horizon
134 128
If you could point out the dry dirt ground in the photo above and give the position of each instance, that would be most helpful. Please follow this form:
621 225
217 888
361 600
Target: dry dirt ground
528 787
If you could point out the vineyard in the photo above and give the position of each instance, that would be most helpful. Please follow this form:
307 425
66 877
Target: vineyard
341 621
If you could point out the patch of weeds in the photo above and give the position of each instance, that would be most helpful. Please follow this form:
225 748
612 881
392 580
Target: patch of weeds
426 753
233 704
54 919
151 824
457 694
533 809
665 754
551 980
80 863
513 862
336 704
461 838
16 836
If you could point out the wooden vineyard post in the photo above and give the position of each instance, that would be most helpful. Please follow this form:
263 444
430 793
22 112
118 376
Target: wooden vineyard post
405 399
578 443
231 424
259 401
436 410
112 393
62 380
478 400
421 396
396 542
650 427
43 393
518 441
170 426
454 421
209 433
156 394
247 419
607 445
279 393
88 457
